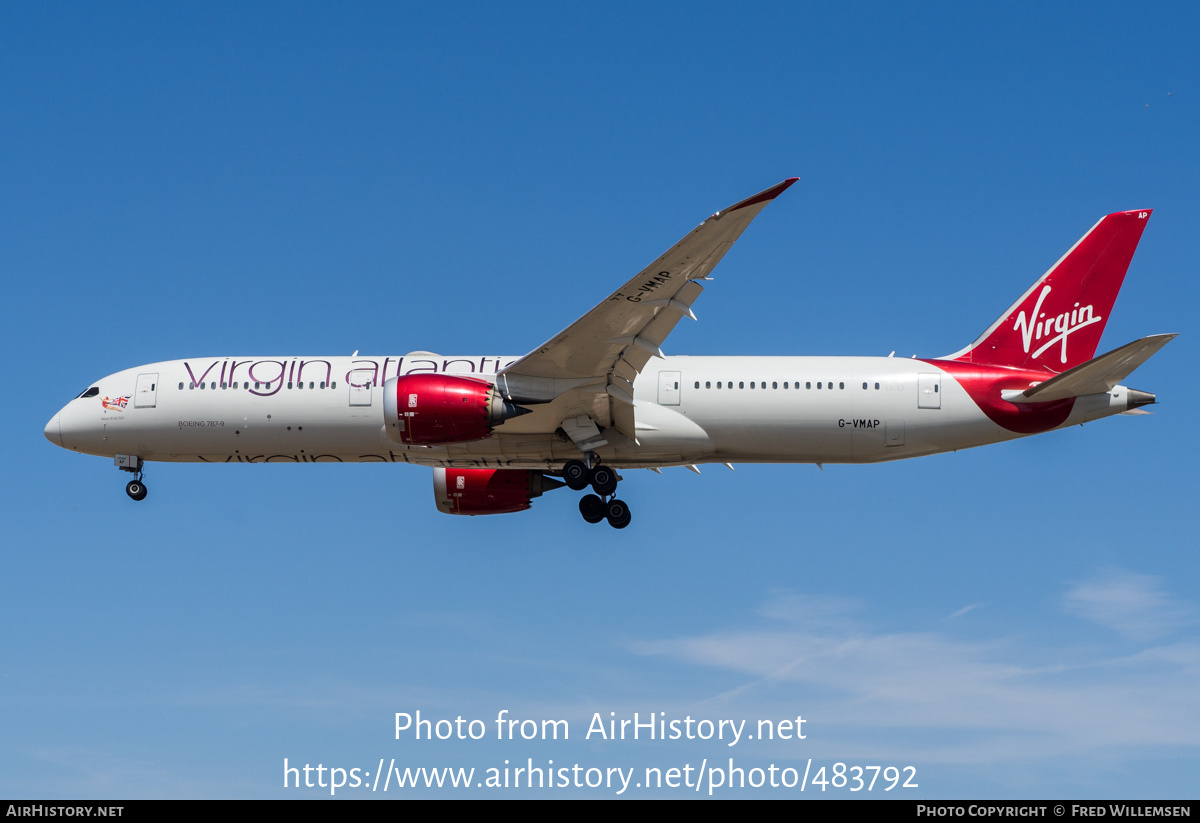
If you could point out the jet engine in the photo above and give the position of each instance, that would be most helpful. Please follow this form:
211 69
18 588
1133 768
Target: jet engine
427 409
488 491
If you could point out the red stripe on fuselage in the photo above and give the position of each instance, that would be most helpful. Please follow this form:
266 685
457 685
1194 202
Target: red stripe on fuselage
984 383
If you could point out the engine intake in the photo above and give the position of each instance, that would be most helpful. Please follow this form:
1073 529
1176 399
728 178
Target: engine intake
427 409
488 491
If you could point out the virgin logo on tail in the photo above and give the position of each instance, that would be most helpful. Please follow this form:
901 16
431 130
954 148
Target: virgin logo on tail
1034 327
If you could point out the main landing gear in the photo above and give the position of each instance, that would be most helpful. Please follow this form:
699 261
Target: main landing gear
604 503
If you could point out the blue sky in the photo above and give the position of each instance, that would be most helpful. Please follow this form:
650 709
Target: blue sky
212 179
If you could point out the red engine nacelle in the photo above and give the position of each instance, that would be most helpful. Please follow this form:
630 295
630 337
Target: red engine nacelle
488 491
426 409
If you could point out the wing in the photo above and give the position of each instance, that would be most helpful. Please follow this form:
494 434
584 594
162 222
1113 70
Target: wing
588 369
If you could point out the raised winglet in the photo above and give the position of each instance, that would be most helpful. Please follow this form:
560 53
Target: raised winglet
762 197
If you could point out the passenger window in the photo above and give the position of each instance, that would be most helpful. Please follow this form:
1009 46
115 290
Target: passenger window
808 385
818 384
876 387
751 384
840 385
775 385
741 385
181 387
708 384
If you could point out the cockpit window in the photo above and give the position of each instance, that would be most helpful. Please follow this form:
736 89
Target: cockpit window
92 392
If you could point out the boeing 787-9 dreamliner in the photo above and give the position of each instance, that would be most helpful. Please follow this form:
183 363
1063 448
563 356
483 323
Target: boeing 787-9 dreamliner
600 396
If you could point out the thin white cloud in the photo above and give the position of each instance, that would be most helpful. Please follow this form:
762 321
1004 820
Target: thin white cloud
810 610
958 700
964 610
1134 605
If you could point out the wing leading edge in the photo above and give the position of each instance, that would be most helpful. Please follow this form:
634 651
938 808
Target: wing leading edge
588 369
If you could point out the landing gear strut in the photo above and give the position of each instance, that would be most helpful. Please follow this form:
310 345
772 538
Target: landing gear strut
603 505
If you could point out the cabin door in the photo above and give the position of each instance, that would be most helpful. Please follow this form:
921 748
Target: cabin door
668 388
145 393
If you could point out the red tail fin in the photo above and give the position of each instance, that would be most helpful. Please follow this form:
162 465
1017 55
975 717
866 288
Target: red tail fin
1057 324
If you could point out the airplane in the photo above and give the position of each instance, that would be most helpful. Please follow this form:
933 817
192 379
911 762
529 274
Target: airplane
600 396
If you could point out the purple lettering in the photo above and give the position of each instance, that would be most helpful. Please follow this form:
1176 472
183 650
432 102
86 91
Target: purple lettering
431 366
366 375
277 379
197 380
328 369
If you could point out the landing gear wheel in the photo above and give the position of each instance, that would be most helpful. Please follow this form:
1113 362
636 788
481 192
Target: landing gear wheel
136 489
617 513
576 475
604 481
592 508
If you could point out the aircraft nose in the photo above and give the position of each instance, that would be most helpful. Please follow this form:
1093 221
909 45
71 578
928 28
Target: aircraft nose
53 430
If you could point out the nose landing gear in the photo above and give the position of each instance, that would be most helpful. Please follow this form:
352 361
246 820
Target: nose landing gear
135 488
603 505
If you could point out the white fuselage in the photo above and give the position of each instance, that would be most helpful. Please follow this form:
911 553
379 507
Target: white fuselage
725 409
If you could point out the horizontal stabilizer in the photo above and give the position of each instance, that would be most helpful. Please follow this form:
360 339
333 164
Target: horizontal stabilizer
1097 375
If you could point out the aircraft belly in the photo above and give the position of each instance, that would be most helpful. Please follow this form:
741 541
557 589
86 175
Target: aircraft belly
669 436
